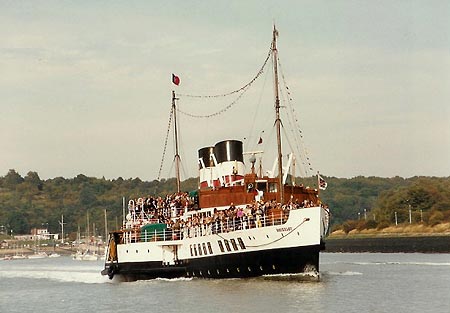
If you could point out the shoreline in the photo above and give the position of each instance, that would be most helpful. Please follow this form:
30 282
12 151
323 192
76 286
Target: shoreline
389 243
30 251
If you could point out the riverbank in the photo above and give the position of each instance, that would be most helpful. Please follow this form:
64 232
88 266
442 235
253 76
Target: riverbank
29 251
401 238
48 250
390 244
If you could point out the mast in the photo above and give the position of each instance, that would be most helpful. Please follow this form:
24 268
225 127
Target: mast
177 156
277 113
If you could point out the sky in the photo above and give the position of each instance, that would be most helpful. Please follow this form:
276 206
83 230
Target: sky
85 86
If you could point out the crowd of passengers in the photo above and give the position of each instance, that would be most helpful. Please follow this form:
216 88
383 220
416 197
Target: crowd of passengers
171 211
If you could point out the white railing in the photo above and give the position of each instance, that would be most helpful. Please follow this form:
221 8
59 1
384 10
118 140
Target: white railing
225 225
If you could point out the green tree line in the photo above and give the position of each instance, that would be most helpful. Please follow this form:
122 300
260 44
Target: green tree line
28 202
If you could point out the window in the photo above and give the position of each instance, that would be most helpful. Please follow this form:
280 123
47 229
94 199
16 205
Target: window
233 243
262 186
272 187
204 249
195 250
210 248
192 252
227 245
200 249
220 246
241 243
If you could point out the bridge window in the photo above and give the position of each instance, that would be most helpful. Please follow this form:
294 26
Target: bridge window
261 186
272 187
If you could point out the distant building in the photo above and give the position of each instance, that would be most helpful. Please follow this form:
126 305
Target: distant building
37 234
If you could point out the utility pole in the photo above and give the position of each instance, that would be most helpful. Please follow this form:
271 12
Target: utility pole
410 217
61 222
106 227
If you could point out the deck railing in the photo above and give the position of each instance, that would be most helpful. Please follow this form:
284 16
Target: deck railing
203 229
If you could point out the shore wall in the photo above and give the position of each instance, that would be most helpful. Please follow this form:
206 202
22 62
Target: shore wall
421 244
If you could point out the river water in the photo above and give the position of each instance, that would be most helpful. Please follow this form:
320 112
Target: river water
349 282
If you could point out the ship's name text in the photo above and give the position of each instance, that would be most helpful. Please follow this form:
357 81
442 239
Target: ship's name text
282 229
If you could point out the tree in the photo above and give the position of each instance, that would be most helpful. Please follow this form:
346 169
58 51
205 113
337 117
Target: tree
34 180
12 179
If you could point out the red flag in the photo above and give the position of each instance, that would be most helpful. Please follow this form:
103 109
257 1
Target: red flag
322 183
175 79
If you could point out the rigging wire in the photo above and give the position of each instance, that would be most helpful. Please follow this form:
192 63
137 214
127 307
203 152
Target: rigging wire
261 70
241 90
181 147
255 116
298 138
165 143
215 113
286 98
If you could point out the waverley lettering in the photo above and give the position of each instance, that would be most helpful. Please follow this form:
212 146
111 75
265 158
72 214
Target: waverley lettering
283 229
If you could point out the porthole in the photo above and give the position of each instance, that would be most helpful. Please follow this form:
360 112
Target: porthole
217 271
249 269
273 266
261 268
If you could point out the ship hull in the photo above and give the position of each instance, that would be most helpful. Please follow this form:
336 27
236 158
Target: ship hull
238 265
286 245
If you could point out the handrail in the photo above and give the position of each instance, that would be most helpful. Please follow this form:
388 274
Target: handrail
218 227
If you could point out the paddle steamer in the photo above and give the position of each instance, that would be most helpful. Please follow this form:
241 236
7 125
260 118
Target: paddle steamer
279 228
